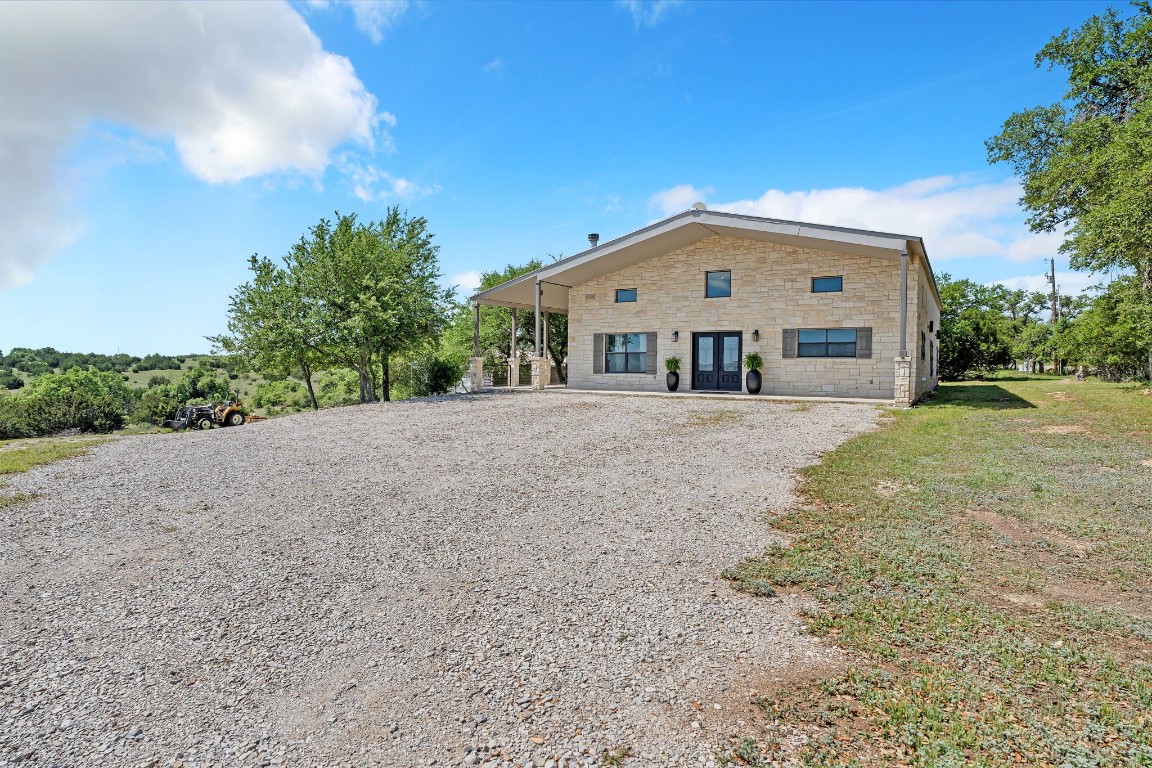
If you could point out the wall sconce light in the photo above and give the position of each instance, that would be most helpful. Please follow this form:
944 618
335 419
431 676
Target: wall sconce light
756 335
675 335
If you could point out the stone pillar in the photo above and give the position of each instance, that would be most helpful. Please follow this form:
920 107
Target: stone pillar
541 368
476 371
905 391
514 371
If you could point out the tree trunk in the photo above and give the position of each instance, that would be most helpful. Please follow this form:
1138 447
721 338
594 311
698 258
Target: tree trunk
386 381
307 370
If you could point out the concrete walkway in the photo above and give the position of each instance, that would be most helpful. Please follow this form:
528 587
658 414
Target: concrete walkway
710 395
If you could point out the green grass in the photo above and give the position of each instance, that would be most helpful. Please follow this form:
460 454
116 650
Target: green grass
21 455
985 561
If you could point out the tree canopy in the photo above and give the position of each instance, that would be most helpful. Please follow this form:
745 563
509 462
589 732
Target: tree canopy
1085 163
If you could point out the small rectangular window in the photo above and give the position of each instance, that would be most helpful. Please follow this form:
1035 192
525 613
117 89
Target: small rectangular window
625 352
826 342
718 285
625 294
828 284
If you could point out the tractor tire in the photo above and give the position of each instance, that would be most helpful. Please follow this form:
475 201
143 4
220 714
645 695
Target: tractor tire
234 419
204 423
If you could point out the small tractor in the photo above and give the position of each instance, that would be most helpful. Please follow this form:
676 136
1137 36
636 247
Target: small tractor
229 414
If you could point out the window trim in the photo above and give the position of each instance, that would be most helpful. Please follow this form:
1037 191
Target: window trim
718 272
635 295
801 345
627 354
812 285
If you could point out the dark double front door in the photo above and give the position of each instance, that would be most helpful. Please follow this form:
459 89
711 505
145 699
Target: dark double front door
716 361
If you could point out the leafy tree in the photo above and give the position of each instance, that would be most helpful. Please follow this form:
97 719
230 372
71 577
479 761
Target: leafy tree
973 328
273 325
1109 334
1085 163
375 290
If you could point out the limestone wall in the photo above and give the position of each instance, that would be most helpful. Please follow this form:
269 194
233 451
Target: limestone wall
771 290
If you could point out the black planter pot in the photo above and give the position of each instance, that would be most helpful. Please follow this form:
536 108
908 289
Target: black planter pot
673 380
754 382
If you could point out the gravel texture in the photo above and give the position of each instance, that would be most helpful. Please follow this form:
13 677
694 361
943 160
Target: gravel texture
497 580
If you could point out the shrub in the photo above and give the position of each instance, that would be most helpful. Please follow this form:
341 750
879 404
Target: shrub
82 399
286 394
339 386
9 379
431 374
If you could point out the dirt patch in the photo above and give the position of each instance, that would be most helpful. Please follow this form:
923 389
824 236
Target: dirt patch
1029 534
1063 429
1062 396
888 488
1146 463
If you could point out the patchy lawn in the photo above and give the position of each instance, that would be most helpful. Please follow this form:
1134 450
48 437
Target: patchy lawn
985 563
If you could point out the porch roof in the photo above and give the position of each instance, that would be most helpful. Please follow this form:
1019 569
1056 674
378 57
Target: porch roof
682 230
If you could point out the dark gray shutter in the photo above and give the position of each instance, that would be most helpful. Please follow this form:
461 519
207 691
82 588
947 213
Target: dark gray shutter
788 345
598 353
863 342
650 361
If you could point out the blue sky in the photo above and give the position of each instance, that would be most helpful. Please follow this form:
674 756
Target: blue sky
146 150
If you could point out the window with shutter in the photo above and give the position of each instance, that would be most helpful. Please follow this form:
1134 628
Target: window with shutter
651 361
598 353
788 343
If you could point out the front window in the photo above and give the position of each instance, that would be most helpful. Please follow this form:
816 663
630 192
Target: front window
625 352
827 342
717 285
828 284
625 294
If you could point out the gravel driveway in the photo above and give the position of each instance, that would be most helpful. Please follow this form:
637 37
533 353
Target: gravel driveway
513 579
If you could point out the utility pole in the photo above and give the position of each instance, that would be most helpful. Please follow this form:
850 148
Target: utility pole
1055 315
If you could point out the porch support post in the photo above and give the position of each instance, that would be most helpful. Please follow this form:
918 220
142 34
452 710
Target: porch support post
539 361
513 356
476 330
536 337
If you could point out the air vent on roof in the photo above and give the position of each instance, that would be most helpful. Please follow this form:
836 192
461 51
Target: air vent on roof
593 239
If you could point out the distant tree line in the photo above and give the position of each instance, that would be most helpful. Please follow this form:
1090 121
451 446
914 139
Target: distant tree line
989 327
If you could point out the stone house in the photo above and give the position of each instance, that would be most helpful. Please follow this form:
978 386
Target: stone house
834 312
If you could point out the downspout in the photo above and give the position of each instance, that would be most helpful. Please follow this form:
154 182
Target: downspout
903 303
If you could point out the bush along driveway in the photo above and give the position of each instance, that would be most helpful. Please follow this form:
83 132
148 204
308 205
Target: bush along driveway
985 563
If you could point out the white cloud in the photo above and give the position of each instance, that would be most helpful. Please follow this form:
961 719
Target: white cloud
466 282
1067 283
375 17
494 66
240 89
958 217
679 198
648 13
370 183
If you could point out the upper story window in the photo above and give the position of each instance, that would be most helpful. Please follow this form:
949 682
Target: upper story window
828 284
718 285
827 342
625 294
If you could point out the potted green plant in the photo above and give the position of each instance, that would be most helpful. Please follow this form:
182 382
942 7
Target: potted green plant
753 362
672 364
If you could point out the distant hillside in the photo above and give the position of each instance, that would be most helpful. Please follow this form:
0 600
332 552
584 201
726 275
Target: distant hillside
21 364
